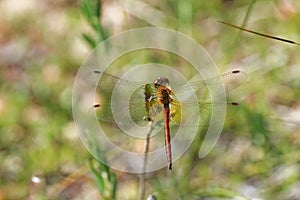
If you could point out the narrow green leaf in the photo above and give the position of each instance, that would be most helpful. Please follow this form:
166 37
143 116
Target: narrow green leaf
114 183
86 10
89 40
98 8
98 178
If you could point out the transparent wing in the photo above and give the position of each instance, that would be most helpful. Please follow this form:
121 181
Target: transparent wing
115 79
131 100
180 111
108 82
178 116
231 80
123 101
194 97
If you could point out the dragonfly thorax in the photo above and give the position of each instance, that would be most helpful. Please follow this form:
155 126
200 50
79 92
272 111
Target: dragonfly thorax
164 95
164 92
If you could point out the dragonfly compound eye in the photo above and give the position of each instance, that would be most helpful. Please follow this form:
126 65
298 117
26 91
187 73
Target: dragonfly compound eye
161 82
157 82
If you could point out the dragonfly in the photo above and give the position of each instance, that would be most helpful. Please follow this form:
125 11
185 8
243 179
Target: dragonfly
152 99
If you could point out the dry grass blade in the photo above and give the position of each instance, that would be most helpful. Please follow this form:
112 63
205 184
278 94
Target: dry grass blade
261 34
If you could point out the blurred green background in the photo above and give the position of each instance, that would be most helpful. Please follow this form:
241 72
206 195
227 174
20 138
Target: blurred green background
42 45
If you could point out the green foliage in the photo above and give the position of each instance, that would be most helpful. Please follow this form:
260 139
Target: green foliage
252 127
91 10
106 181
257 154
220 193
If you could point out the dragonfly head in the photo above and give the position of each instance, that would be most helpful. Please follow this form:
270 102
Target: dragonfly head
161 82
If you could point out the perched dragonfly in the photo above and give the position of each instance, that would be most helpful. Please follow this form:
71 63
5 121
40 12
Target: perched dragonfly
150 99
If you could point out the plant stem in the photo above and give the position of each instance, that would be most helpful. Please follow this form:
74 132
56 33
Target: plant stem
142 176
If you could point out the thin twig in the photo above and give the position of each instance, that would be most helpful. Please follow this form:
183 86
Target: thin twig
142 177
